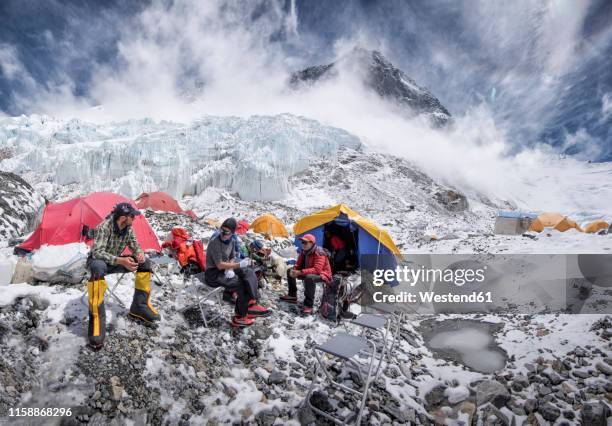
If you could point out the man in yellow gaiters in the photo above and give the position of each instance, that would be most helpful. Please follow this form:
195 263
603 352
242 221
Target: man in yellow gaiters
111 238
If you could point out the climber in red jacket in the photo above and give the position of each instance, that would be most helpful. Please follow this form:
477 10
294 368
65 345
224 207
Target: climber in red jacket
312 267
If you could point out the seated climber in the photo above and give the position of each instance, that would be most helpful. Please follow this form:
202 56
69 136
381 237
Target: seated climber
222 269
312 267
338 251
112 236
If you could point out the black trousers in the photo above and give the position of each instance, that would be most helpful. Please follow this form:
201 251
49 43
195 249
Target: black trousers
340 259
244 283
98 269
310 287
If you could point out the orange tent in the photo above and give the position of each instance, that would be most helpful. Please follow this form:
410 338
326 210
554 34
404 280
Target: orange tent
269 225
596 226
555 221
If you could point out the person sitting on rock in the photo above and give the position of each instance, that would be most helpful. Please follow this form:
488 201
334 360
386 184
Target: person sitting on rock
223 269
111 238
312 267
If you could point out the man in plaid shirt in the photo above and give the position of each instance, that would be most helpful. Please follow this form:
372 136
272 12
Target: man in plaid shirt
111 238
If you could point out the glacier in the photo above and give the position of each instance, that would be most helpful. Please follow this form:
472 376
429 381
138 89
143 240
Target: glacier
253 156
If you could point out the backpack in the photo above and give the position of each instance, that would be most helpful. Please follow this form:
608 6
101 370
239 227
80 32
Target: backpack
335 298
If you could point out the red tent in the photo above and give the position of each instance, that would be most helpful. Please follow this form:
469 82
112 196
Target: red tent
62 223
158 201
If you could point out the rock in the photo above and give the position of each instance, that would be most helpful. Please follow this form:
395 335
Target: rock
544 390
452 200
491 391
567 387
569 414
549 411
493 416
20 206
531 405
266 417
604 368
116 393
554 378
96 396
38 303
516 407
321 401
581 374
276 377
456 394
594 414
306 417
435 396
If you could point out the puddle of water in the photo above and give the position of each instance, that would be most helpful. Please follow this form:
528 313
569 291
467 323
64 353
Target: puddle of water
469 345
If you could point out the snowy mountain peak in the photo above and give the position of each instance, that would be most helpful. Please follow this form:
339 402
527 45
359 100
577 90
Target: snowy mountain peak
381 76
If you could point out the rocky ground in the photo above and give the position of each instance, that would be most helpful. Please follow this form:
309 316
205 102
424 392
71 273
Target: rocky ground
558 367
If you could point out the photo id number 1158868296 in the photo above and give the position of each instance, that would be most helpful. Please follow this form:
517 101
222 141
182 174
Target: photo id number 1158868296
40 412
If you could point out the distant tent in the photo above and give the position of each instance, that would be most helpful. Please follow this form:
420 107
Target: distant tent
555 221
65 223
365 237
596 226
242 228
269 225
162 202
513 223
158 201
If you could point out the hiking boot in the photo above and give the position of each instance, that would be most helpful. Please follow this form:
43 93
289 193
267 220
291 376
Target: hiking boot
241 321
256 310
288 299
141 303
306 310
96 330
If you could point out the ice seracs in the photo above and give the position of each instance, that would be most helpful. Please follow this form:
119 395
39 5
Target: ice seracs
252 156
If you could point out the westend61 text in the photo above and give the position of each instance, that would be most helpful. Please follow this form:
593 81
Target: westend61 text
431 297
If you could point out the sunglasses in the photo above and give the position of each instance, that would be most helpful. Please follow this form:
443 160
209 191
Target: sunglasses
305 243
226 232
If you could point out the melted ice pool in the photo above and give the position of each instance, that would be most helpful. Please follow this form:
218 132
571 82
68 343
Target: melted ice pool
472 345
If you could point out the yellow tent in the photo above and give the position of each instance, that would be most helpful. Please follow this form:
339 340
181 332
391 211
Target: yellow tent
308 223
269 225
596 226
555 221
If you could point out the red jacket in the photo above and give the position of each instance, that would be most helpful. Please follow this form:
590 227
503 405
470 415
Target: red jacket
316 263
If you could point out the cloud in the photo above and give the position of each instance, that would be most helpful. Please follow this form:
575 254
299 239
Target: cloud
606 105
182 60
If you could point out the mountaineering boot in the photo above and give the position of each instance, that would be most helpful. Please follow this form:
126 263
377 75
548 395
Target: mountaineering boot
256 310
96 330
141 304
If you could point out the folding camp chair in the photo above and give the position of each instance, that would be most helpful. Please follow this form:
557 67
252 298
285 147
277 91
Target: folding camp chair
110 290
396 316
379 324
204 292
160 261
348 348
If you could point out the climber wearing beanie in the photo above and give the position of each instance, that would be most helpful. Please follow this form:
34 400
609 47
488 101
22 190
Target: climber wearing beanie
222 269
111 238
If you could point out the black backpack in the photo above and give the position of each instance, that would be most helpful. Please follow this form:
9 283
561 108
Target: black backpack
335 299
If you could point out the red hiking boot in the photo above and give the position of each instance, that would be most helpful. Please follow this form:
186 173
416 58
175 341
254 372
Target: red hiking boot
288 299
241 321
306 310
